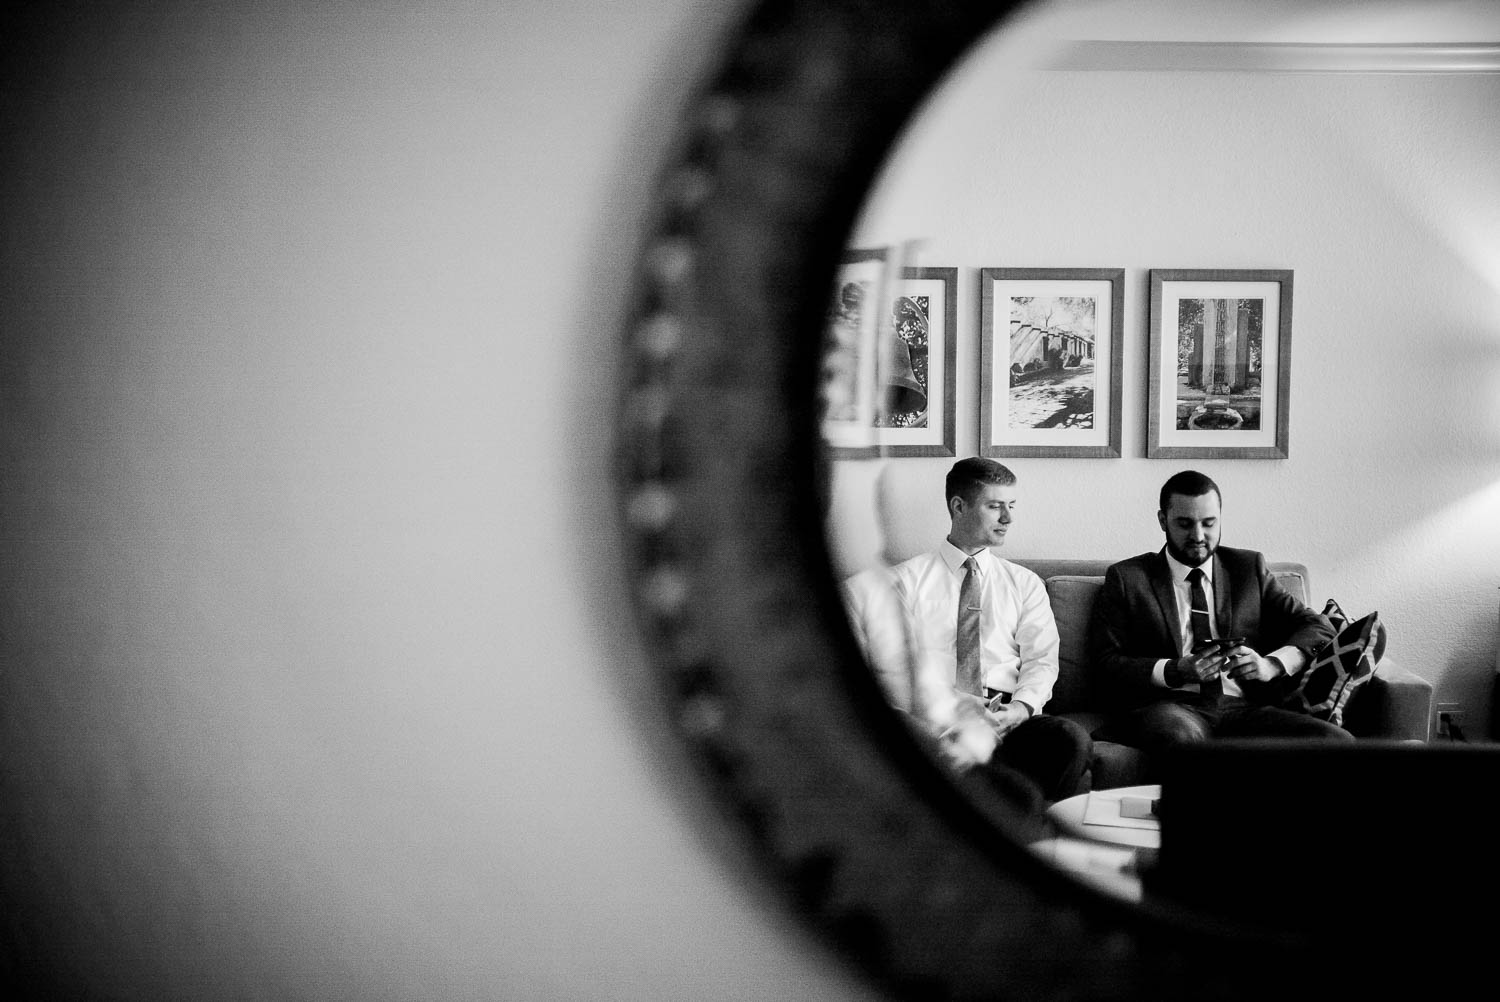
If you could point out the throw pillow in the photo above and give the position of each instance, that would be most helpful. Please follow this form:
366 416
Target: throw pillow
1341 666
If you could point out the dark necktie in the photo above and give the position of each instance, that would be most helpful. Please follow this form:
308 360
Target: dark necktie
968 677
1211 689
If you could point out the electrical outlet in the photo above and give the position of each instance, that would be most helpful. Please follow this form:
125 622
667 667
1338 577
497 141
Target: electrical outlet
1448 716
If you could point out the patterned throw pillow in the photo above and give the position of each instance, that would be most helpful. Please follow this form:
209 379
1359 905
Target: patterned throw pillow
1341 666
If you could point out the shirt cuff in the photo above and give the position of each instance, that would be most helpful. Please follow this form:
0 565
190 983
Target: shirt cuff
1292 659
1159 674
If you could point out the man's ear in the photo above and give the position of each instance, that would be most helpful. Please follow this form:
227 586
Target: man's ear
955 506
1161 520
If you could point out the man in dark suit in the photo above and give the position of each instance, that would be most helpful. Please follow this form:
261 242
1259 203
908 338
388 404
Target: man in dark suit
1197 641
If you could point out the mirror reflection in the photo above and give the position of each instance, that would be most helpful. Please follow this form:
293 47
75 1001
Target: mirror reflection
1022 583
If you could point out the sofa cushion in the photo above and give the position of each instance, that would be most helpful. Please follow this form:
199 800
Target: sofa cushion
1293 580
1072 597
1341 666
1112 764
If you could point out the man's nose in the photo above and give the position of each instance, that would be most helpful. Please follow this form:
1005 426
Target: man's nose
1004 515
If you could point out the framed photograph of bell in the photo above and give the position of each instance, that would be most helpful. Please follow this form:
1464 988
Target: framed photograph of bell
1051 352
888 372
1220 364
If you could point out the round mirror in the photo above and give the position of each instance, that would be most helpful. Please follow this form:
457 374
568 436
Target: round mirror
745 517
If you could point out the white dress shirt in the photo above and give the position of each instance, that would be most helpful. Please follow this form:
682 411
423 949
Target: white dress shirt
879 625
1018 636
1183 591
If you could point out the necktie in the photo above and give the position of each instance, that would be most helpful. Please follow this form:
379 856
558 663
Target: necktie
1211 689
968 677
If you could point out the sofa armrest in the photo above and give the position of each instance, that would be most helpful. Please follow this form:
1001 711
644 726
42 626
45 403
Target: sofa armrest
1396 704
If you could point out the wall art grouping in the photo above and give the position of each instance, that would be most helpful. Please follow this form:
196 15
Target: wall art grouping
1050 361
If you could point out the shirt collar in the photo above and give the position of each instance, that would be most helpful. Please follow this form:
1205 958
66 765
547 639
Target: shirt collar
954 558
1180 570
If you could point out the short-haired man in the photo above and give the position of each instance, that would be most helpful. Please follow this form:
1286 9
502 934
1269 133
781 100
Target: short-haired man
1196 640
983 627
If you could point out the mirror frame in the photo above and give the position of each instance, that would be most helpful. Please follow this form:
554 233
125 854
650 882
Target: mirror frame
921 879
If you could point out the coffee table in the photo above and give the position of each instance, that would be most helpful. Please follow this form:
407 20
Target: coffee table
1099 845
1096 815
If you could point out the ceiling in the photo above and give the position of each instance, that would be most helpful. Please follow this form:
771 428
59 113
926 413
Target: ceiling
1342 22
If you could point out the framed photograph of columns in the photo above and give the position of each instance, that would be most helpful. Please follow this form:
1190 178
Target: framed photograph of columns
1051 346
1220 364
889 373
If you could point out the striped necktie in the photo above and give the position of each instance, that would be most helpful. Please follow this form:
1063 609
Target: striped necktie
1211 689
969 678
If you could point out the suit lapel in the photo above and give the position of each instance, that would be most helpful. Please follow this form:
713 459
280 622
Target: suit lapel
1161 585
1223 599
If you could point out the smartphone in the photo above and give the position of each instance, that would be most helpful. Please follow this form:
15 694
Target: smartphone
1223 645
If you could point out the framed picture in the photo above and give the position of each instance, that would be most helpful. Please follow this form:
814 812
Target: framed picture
1051 351
888 373
1221 364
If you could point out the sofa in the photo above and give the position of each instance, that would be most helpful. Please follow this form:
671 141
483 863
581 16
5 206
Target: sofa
1393 705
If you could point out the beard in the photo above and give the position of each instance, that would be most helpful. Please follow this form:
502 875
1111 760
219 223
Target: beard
1189 560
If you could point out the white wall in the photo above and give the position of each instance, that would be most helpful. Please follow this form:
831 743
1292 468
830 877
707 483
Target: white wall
315 676
1380 192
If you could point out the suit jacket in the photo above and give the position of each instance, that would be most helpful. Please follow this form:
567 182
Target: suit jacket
1135 623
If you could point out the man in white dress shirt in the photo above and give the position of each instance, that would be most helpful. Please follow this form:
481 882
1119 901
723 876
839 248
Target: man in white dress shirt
983 640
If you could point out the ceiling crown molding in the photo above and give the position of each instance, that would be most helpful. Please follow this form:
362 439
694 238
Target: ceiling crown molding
1276 57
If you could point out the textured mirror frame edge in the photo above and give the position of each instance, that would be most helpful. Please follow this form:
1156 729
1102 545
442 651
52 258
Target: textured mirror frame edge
921 881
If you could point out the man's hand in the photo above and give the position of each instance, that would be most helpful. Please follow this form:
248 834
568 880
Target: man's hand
1007 716
966 745
1246 665
970 705
971 738
1199 666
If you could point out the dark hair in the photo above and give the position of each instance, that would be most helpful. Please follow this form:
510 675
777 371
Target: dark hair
967 475
1190 484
